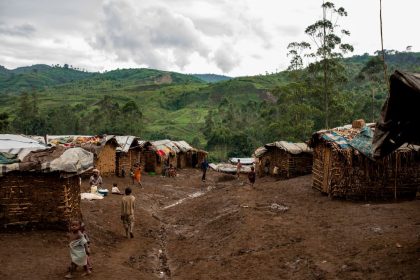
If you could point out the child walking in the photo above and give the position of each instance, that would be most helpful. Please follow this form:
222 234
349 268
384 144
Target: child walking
137 176
251 176
127 212
78 249
89 258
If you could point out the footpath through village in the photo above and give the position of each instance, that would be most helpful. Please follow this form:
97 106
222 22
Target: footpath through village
225 229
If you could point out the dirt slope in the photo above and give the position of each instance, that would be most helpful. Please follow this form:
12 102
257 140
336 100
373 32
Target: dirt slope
223 229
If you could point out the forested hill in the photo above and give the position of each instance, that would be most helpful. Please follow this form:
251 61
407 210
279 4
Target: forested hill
230 117
212 78
38 76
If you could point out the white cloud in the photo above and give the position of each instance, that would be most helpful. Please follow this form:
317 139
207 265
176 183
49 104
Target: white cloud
193 36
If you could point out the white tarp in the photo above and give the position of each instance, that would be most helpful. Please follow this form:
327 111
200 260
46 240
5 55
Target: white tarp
229 168
244 161
19 145
73 160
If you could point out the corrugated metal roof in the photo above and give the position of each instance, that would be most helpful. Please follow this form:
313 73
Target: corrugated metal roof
161 144
293 148
183 146
125 142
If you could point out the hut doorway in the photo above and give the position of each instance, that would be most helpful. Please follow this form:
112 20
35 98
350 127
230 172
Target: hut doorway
150 161
194 160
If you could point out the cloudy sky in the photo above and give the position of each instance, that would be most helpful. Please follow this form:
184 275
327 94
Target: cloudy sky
234 38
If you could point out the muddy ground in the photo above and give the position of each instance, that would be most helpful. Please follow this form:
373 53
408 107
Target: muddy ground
224 229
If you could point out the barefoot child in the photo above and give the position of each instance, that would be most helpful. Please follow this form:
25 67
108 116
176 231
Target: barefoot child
78 248
85 235
137 175
251 176
127 212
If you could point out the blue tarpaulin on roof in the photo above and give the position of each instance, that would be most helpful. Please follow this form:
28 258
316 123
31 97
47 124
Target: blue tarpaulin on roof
8 158
363 141
336 138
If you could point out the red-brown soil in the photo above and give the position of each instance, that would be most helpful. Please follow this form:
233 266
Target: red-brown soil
278 230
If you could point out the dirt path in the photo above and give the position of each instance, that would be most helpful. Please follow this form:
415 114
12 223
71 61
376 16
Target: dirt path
224 229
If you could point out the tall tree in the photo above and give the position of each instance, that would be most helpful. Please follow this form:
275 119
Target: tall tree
328 50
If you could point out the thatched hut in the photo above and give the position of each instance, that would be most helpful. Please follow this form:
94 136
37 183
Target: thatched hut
103 148
195 157
284 159
155 154
184 151
127 154
41 187
343 166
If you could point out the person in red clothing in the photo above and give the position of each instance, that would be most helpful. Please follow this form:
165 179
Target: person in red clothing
137 175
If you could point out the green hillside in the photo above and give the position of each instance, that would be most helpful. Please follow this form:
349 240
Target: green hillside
38 76
230 117
211 78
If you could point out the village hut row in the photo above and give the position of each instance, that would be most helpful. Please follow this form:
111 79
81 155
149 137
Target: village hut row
118 154
179 154
343 165
40 185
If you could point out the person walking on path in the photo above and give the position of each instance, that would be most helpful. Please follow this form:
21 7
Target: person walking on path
251 176
137 175
127 212
238 168
204 167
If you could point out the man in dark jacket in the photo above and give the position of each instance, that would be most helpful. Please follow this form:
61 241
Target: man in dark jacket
204 167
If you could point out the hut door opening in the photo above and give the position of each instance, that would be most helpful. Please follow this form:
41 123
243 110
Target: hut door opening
150 161
194 160
327 170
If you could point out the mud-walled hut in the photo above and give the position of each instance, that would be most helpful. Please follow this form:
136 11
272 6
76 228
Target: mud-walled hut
103 148
39 187
185 151
283 159
343 166
128 153
195 157
155 154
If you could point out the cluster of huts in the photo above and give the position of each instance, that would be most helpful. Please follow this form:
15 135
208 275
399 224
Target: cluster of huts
40 176
342 164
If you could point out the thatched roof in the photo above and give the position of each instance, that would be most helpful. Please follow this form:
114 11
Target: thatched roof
293 148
